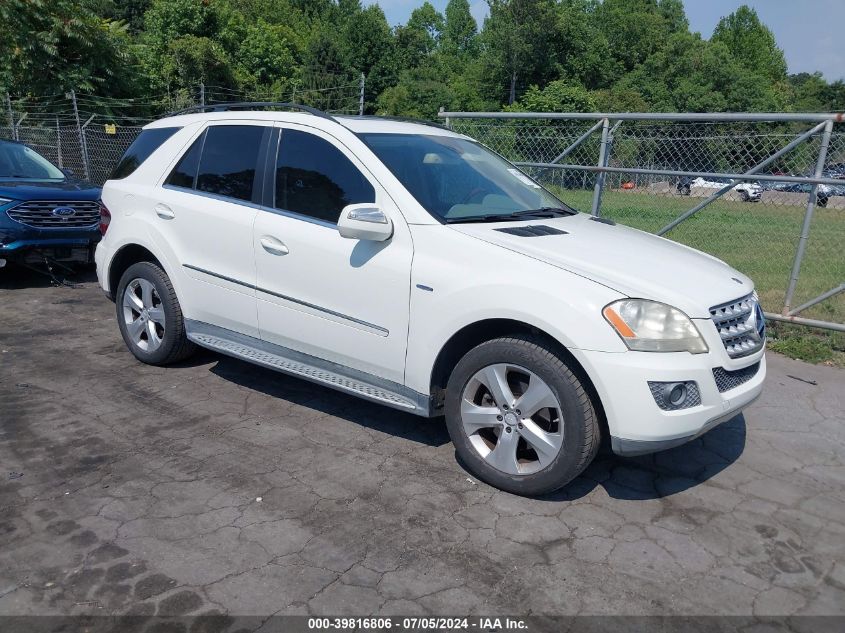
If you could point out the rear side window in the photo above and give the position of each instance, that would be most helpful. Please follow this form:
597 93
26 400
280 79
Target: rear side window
314 178
229 160
147 142
185 172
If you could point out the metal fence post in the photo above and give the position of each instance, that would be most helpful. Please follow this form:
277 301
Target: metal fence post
86 160
361 97
808 218
597 190
81 134
59 143
11 116
202 94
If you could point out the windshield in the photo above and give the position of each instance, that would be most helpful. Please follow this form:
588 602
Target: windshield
458 180
20 161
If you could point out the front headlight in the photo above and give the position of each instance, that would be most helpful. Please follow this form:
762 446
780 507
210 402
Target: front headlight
4 201
649 326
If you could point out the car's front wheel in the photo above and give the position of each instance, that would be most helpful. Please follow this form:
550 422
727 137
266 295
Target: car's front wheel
150 317
520 418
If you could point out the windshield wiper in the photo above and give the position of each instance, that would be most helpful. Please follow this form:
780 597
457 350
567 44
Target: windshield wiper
545 212
542 212
501 217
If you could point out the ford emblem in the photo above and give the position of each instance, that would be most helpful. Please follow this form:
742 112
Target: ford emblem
64 212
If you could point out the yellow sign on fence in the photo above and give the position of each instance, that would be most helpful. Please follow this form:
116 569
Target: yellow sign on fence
111 128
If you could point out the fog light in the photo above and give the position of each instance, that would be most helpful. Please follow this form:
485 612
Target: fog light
675 393
2 263
671 396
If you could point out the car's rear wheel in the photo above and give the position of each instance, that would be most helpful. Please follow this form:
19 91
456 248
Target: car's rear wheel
519 417
150 317
744 196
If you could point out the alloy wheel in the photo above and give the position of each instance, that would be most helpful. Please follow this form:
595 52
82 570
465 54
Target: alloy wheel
512 418
143 315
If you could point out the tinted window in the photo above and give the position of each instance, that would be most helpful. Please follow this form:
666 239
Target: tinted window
229 160
147 142
315 179
185 172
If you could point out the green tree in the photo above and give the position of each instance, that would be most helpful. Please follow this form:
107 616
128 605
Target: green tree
428 21
50 46
266 57
581 50
751 43
516 36
557 96
459 29
634 29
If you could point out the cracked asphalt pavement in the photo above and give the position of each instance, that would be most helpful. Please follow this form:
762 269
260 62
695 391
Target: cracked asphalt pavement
218 486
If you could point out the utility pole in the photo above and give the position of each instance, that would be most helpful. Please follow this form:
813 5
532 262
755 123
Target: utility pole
202 94
361 97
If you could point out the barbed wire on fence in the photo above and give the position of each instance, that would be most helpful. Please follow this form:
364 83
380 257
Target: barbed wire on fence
87 134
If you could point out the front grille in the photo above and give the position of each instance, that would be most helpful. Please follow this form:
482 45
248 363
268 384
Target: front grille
741 325
727 380
56 214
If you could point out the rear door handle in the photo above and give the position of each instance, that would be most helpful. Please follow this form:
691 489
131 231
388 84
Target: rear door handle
164 212
273 246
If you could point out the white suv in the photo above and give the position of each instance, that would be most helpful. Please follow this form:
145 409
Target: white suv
411 266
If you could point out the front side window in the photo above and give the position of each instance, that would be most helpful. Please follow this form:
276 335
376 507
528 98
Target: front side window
229 160
314 178
458 180
145 144
20 161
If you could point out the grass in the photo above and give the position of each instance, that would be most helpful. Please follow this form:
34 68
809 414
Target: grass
758 239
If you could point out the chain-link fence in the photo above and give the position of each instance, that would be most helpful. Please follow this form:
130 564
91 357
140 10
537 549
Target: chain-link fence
87 134
766 193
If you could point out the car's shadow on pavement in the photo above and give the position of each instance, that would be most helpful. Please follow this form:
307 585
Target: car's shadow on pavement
431 432
15 277
631 478
661 474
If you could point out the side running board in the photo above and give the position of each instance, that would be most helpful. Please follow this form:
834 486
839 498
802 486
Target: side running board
310 368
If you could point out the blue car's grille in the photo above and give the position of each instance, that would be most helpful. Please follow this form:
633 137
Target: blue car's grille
56 214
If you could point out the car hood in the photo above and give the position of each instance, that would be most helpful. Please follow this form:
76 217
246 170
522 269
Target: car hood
68 189
634 263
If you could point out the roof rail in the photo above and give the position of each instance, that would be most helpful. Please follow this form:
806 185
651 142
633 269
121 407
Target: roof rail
250 105
400 119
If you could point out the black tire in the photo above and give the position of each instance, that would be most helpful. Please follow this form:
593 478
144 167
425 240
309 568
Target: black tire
580 423
175 345
743 195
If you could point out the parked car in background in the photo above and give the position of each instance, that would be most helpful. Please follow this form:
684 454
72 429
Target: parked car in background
823 192
46 215
411 266
748 191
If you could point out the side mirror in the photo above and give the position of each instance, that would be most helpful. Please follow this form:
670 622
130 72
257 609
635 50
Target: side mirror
68 172
364 222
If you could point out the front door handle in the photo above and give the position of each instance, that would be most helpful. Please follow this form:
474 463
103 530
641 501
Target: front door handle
273 246
164 212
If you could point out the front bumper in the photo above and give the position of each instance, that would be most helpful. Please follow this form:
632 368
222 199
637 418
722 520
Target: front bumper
60 249
637 424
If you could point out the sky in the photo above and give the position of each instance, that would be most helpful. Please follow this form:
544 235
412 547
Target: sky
810 32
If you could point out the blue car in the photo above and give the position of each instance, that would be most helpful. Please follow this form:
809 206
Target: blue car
46 215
